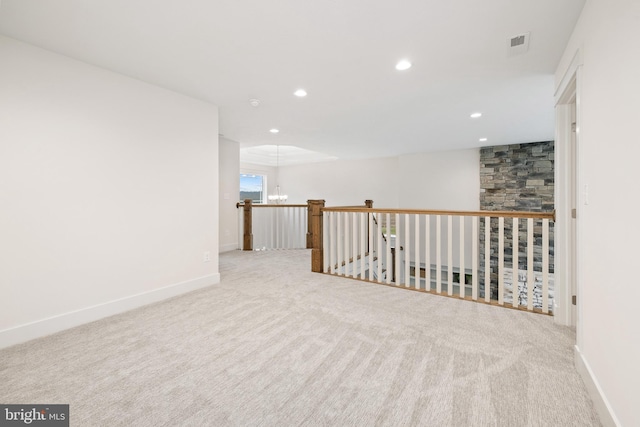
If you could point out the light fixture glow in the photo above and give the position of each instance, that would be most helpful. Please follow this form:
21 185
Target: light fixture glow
476 115
300 93
278 197
403 65
483 140
274 130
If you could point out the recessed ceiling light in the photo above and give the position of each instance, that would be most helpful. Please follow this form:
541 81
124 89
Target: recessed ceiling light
476 115
274 130
300 92
403 65
483 140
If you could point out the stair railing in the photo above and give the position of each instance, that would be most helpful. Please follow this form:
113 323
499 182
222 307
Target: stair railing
273 226
473 255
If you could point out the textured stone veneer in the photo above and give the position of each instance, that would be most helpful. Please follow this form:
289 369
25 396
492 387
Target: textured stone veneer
517 177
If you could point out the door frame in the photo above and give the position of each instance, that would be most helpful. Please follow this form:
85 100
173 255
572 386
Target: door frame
567 169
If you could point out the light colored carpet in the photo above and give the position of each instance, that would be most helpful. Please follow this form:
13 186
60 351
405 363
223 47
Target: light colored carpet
277 345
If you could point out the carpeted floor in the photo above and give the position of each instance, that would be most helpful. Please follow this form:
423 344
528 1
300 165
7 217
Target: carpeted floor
277 345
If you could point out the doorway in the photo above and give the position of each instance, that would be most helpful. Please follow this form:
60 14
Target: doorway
568 201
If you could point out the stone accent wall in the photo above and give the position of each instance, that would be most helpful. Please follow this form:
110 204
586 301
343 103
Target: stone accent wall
517 177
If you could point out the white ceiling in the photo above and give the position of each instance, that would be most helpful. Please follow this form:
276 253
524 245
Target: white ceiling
342 52
281 155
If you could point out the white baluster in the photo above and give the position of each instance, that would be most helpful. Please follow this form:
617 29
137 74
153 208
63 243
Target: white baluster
279 215
276 229
240 227
530 277
515 274
399 245
285 228
487 259
272 229
407 247
474 257
294 227
389 262
462 275
295 231
545 265
300 242
332 242
427 253
354 245
438 254
373 250
501 260
326 241
416 256
256 230
348 257
339 242
303 228
291 226
449 255
363 244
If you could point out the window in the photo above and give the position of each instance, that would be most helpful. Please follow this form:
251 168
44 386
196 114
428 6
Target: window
253 187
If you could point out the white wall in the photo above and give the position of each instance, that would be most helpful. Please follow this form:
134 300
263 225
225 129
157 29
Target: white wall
343 182
108 193
229 175
608 347
445 180
440 180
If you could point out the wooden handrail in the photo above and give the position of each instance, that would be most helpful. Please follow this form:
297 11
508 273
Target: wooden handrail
367 204
345 207
279 206
505 214
270 206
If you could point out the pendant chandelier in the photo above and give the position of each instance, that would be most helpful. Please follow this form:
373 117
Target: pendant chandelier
278 197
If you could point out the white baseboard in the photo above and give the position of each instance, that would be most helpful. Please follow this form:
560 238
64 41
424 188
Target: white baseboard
229 248
600 402
51 325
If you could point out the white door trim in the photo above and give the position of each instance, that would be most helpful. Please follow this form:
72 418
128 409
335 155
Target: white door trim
567 94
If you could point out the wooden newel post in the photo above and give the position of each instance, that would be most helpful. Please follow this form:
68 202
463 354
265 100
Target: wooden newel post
368 204
315 219
247 241
309 231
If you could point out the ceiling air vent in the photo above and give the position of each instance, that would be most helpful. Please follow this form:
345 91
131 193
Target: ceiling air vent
518 44
517 41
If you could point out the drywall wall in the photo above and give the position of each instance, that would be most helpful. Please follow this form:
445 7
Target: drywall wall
606 39
109 192
343 182
439 180
442 180
229 176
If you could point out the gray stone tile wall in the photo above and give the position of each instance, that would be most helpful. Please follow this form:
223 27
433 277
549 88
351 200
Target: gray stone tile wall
517 177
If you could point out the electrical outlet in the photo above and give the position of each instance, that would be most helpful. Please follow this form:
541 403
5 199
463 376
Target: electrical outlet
206 257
